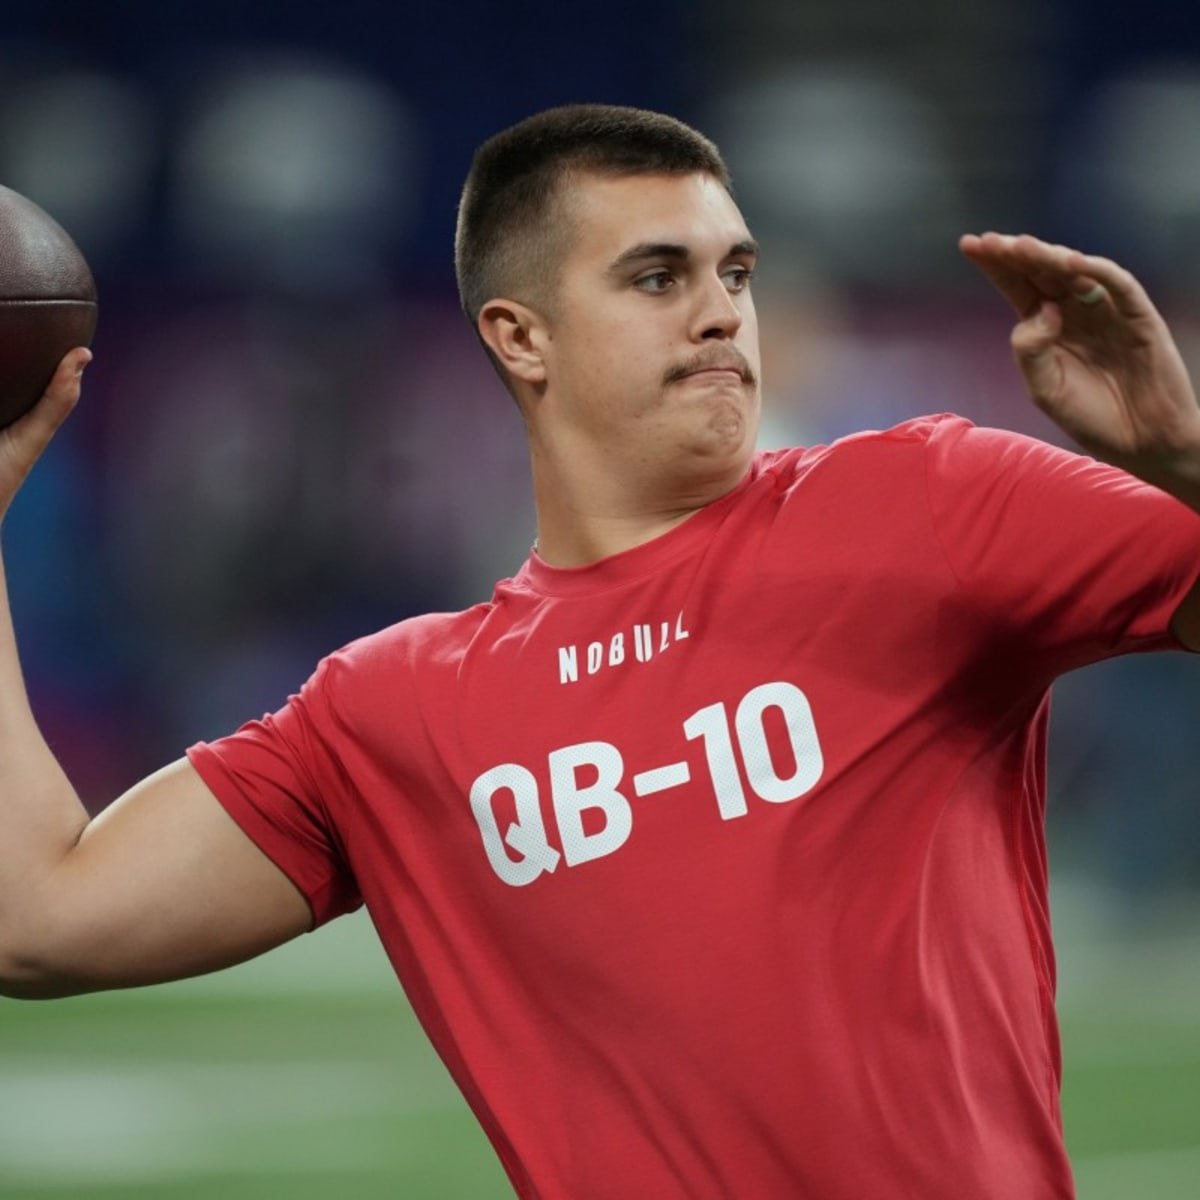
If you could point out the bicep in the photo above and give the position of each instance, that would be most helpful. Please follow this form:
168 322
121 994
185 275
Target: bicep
163 884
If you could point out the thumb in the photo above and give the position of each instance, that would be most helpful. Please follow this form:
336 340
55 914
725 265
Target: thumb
22 442
1035 347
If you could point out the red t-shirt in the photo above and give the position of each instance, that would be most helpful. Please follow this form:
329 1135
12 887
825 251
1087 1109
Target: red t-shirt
716 868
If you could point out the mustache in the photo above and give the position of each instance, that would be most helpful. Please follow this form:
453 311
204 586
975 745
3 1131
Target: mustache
723 358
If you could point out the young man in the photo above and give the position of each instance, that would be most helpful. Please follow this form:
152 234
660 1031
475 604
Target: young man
710 849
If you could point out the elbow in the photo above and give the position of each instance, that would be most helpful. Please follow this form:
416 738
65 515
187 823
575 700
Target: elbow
18 983
20 976
21 981
31 986
23 989
27 974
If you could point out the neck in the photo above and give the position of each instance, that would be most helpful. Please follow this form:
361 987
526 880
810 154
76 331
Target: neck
588 537
580 524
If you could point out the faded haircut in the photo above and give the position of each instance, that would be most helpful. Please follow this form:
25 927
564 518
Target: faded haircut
512 232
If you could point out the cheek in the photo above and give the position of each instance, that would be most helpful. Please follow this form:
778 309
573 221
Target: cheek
748 339
625 356
610 350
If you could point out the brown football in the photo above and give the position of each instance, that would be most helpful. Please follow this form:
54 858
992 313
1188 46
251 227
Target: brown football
47 301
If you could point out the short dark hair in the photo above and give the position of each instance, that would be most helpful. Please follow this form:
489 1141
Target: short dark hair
507 243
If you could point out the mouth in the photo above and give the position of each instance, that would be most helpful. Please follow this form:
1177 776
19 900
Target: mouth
732 372
713 371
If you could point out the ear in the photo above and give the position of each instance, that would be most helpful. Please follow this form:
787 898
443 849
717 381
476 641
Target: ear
514 334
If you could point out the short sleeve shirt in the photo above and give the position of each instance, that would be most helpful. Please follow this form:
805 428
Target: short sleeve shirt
717 868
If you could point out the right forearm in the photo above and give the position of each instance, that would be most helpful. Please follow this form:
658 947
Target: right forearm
163 884
41 816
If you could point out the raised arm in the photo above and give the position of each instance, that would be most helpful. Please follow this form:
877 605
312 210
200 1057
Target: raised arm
1098 359
161 885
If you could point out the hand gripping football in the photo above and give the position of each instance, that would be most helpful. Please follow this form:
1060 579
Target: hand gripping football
47 301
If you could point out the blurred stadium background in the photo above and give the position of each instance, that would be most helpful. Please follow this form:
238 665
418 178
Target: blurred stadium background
289 439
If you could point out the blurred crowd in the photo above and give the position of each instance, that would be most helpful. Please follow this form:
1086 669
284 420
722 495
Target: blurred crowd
289 437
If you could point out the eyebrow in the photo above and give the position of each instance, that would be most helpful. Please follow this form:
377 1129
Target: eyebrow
650 250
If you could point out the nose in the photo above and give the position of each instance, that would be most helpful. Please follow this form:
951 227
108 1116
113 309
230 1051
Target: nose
717 313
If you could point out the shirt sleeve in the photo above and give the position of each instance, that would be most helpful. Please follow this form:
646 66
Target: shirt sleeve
277 779
1083 558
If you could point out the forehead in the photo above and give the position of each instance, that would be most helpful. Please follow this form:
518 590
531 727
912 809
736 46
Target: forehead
611 213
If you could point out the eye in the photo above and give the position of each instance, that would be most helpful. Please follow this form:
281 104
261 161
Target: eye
654 281
737 279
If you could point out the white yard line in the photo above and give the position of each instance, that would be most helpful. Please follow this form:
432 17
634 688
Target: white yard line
62 1122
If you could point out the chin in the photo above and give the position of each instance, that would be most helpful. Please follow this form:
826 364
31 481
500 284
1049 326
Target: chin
721 453
730 428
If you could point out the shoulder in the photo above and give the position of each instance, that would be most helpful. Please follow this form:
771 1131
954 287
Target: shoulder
425 638
870 458
916 432
945 446
383 664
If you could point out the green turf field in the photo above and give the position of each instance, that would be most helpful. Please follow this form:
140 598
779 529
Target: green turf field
303 1075
300 1075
